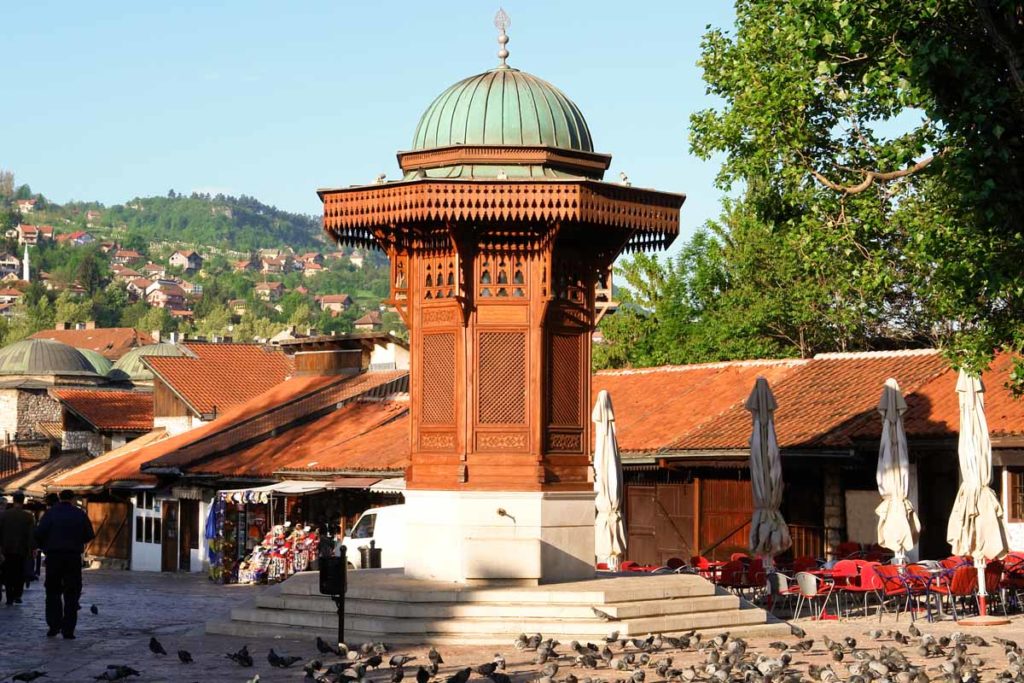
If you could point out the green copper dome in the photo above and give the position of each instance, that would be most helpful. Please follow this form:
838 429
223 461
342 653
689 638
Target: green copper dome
100 365
130 367
503 106
44 357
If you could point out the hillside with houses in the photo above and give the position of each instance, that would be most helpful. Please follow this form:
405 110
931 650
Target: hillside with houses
196 265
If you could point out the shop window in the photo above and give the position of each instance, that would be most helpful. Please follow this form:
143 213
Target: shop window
139 523
156 530
148 535
1015 494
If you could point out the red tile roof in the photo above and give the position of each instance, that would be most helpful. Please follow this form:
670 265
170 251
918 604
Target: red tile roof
655 407
120 465
817 403
111 342
218 376
362 436
280 408
109 411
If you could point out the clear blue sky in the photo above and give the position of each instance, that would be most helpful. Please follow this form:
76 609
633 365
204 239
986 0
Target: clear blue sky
111 100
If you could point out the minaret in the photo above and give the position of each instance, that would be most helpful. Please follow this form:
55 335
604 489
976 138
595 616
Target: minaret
24 266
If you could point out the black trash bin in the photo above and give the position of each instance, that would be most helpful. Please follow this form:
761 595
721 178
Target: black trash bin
369 556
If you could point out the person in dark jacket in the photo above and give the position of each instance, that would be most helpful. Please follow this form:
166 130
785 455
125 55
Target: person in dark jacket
16 543
62 534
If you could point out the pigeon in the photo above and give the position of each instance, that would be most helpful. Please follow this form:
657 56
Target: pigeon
242 657
435 657
117 672
374 662
325 648
94 609
498 677
281 661
422 675
185 656
27 675
400 660
487 669
254 679
311 666
602 615
155 647
397 674
550 669
499 659
460 676
797 631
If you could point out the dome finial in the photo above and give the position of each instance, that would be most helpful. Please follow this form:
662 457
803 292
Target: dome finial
502 22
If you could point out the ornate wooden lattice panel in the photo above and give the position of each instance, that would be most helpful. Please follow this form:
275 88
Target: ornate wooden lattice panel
437 387
502 276
564 380
440 280
502 373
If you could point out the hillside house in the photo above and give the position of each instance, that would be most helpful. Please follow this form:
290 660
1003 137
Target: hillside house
25 205
335 303
191 288
153 271
77 238
10 296
238 306
137 287
124 273
273 264
92 217
312 257
356 259
311 269
371 322
28 234
9 263
125 256
189 261
269 291
169 295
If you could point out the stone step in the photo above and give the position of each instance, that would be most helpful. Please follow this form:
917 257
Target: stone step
245 629
391 608
390 585
509 626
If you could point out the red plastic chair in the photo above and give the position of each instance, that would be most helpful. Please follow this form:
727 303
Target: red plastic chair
675 563
994 570
893 587
811 588
739 557
867 583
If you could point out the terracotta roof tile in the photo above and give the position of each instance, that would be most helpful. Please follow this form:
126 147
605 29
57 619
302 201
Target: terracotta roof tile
33 481
286 405
118 465
110 411
363 435
221 375
655 407
111 342
819 401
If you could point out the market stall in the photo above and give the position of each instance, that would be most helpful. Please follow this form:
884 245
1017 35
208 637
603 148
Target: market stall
264 534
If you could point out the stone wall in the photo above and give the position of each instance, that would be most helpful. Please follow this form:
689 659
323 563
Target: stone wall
8 413
835 509
34 408
82 441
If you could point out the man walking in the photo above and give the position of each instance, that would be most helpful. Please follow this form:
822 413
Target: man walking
62 534
16 527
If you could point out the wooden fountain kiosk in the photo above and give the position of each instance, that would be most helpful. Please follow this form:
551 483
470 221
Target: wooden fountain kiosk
497 234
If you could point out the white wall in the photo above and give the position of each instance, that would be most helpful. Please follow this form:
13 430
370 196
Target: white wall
176 425
145 556
8 412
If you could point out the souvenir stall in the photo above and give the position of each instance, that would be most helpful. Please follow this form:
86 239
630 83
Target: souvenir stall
267 533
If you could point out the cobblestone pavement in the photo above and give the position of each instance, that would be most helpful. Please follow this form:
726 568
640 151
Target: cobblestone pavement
133 606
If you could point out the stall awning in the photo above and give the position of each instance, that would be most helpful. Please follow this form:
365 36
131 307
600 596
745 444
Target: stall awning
393 485
294 487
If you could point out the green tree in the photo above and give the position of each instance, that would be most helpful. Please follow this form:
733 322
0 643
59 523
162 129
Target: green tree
69 308
157 319
876 149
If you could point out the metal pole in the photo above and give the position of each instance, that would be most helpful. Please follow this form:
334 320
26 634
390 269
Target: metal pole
339 600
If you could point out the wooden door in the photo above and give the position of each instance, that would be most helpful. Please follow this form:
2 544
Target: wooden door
111 523
726 506
641 544
169 542
189 533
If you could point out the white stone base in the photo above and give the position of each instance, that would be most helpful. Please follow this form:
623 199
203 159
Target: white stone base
460 537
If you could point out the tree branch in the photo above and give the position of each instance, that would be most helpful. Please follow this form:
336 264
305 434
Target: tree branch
870 177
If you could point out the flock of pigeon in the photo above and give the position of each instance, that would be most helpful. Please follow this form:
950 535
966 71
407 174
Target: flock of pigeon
719 659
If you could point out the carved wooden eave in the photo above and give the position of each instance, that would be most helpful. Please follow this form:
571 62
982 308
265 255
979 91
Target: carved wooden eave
363 215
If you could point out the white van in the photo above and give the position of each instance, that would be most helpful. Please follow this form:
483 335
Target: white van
386 528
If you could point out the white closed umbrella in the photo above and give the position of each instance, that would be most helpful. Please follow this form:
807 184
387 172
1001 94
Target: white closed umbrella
609 528
976 522
769 534
898 525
